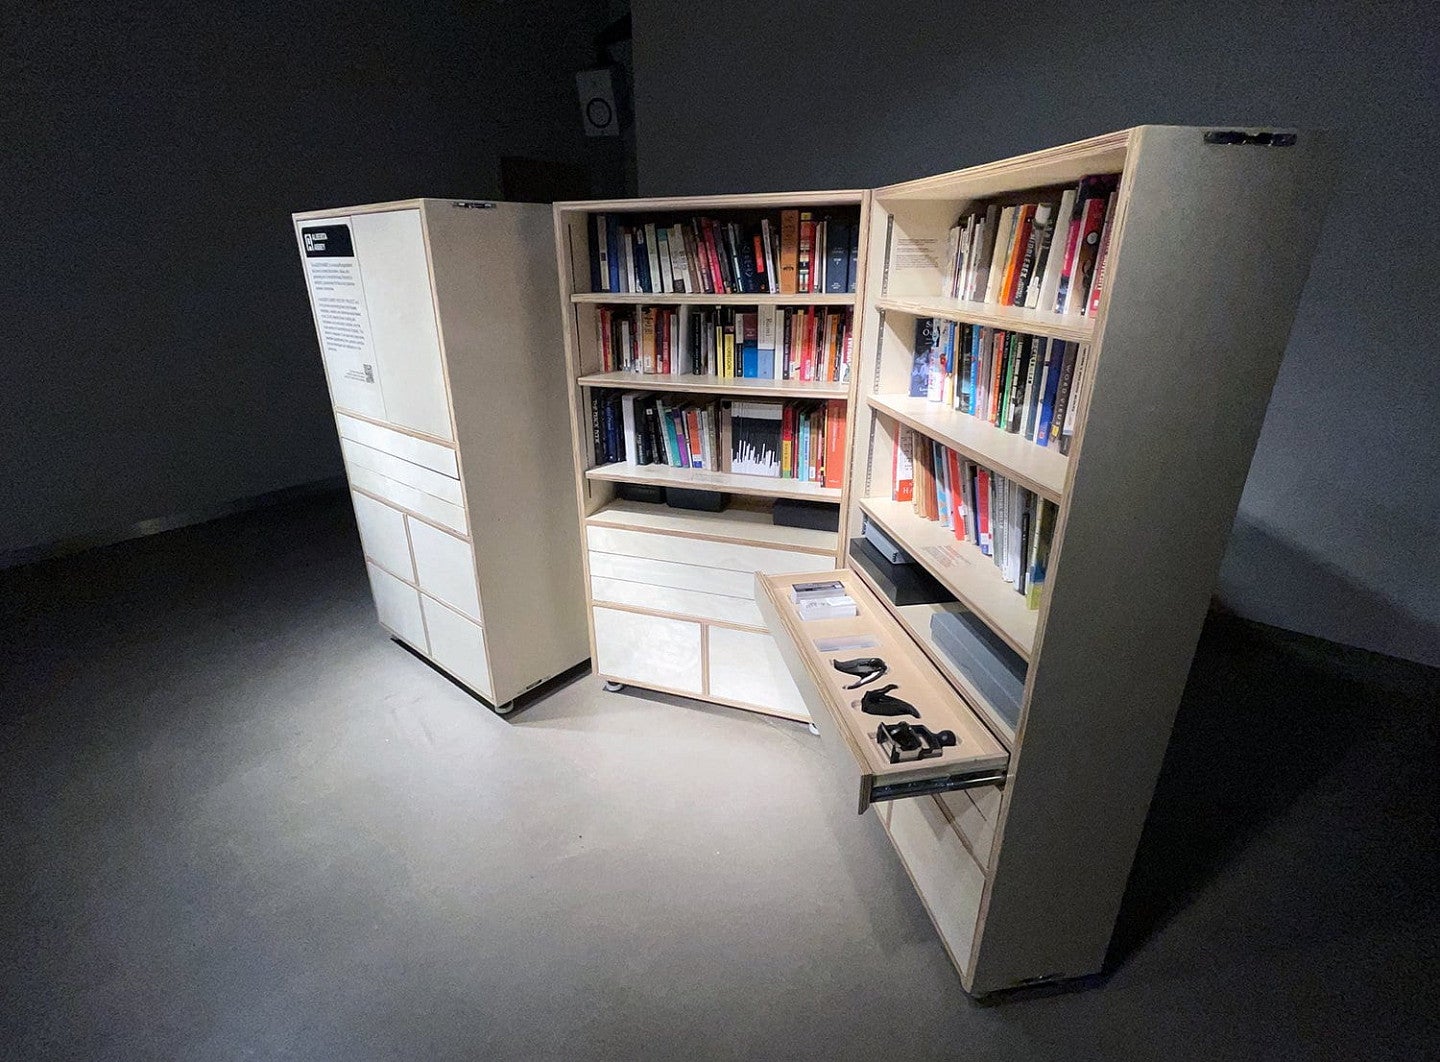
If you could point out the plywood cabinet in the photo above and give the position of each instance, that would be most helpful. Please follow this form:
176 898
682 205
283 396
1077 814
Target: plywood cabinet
438 351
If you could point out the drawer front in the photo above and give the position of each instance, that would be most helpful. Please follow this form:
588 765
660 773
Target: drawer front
458 646
382 535
418 476
695 603
949 881
701 552
407 497
398 607
648 649
669 573
970 821
746 667
421 452
445 568
976 757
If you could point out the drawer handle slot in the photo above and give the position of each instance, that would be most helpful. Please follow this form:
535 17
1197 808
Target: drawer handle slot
928 786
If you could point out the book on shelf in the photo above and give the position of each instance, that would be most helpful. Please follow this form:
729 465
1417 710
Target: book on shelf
809 343
1021 383
1045 253
801 440
787 252
1009 524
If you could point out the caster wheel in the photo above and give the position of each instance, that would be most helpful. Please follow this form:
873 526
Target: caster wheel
614 687
505 709
813 729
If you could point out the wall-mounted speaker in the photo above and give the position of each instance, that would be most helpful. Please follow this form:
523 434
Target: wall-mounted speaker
597 101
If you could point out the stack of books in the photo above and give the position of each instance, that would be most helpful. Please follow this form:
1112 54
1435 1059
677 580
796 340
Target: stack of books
767 343
792 252
797 440
1024 384
1009 524
1047 253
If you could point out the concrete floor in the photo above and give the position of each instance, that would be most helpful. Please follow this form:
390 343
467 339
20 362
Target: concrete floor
238 822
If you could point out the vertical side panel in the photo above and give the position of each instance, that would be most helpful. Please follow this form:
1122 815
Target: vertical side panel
1213 247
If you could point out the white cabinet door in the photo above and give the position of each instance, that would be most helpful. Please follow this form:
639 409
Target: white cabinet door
382 535
403 332
747 667
445 568
648 649
398 606
458 646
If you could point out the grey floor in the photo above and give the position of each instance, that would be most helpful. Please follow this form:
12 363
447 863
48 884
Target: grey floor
238 823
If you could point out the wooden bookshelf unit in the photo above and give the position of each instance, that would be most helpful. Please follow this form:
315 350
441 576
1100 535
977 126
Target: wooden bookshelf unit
1020 836
671 599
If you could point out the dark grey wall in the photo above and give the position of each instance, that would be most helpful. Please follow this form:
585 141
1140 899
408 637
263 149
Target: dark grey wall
1337 532
156 349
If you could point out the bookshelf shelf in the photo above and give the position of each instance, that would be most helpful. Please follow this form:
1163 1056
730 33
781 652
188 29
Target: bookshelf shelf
701 479
1038 468
689 383
961 568
743 526
1069 327
648 299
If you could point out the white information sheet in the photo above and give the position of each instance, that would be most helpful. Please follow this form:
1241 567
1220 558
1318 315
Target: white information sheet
337 293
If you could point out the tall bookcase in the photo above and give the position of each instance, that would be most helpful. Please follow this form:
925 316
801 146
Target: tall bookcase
1019 837
670 595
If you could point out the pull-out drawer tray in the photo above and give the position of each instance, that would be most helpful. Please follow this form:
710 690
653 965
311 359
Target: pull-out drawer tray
808 649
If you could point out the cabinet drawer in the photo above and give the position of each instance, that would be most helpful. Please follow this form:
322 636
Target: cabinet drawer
976 758
398 606
402 471
695 603
416 501
746 667
648 649
949 881
382 535
702 552
445 568
422 452
669 573
457 645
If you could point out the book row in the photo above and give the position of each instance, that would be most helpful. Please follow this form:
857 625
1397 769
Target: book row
767 343
788 440
795 252
1009 524
1048 254
1024 384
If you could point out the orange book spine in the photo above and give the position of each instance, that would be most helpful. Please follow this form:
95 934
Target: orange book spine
834 442
1017 253
789 252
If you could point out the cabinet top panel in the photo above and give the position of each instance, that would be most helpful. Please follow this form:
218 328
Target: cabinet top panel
758 201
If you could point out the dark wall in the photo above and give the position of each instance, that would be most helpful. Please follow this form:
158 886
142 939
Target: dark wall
156 345
1337 532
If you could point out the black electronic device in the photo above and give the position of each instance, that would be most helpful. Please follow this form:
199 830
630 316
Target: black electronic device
904 742
864 668
879 702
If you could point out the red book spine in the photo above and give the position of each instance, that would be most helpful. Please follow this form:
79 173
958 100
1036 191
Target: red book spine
957 493
982 503
716 275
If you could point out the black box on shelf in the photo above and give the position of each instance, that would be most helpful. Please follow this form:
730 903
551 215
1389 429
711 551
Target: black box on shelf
816 516
903 584
707 501
641 492
997 671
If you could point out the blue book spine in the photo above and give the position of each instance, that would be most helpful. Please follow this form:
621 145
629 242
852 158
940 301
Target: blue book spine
1047 402
612 233
837 256
642 260
920 364
750 360
975 360
803 471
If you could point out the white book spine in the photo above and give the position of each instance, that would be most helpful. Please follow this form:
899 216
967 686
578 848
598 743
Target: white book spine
679 262
602 250
1003 235
1055 263
772 281
1045 220
627 413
